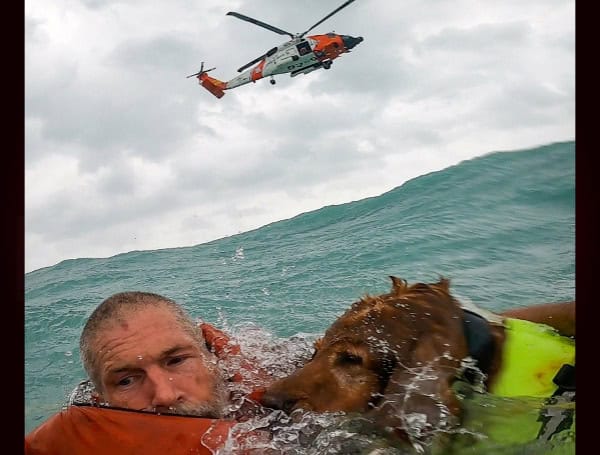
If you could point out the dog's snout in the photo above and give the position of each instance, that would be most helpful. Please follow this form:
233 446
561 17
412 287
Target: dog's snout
278 400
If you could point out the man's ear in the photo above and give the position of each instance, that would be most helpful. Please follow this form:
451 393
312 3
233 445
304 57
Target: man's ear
97 397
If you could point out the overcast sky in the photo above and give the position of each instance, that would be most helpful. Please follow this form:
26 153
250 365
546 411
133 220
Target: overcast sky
124 153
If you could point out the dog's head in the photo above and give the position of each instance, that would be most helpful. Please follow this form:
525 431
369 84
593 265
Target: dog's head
395 349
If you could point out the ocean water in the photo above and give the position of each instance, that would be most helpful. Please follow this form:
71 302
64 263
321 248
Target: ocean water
501 227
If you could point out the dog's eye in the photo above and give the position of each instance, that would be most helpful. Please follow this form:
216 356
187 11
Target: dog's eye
347 358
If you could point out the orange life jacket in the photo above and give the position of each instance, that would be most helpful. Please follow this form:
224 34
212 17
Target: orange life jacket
111 431
96 430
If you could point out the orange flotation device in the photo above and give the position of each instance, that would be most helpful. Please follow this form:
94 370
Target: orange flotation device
102 430
96 430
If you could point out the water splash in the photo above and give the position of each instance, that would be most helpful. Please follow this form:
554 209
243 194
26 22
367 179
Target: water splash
239 254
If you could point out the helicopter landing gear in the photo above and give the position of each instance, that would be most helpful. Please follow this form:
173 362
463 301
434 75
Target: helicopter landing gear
327 64
272 81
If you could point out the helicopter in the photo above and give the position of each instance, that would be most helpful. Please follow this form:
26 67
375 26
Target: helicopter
300 55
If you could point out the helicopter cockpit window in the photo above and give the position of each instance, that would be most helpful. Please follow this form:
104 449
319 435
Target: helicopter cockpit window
271 52
303 48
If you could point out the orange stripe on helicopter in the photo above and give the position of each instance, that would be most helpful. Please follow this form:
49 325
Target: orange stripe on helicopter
257 73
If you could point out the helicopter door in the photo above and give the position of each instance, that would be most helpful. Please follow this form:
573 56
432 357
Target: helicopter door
303 48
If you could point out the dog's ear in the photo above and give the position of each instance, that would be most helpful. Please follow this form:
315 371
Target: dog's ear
421 388
318 343
398 285
444 284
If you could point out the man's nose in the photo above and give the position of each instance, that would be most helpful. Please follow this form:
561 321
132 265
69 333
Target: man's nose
165 392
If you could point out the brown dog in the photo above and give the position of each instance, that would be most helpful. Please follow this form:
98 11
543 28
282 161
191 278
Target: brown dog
395 356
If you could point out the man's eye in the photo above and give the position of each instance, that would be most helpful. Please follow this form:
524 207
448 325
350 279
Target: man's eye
175 361
125 382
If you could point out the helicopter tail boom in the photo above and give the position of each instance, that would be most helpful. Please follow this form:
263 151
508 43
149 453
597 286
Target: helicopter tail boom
214 86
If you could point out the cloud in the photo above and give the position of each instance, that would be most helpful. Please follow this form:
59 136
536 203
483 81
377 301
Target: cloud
123 152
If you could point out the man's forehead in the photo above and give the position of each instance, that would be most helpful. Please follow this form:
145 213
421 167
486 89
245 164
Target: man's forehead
154 321
151 334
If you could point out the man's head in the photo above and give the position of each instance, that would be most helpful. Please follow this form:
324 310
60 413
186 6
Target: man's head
143 352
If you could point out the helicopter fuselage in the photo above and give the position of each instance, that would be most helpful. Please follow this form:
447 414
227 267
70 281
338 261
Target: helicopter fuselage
297 56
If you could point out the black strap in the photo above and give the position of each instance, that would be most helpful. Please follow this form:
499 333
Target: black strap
565 379
480 342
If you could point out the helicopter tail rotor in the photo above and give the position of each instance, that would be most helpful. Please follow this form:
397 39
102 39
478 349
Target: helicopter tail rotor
201 72
213 85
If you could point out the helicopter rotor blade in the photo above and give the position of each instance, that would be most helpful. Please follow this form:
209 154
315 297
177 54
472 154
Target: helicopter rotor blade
198 73
339 8
262 24
202 70
249 64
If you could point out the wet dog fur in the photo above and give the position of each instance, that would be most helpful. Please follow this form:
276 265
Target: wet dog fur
393 356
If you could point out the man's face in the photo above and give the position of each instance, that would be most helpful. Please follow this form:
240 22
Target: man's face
148 362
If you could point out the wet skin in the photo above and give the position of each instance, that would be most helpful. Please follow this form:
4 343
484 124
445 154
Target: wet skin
147 362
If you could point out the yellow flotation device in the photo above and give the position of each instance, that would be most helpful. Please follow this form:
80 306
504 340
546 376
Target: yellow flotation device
525 390
532 355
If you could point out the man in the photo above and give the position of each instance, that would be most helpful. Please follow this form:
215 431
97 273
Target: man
143 353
